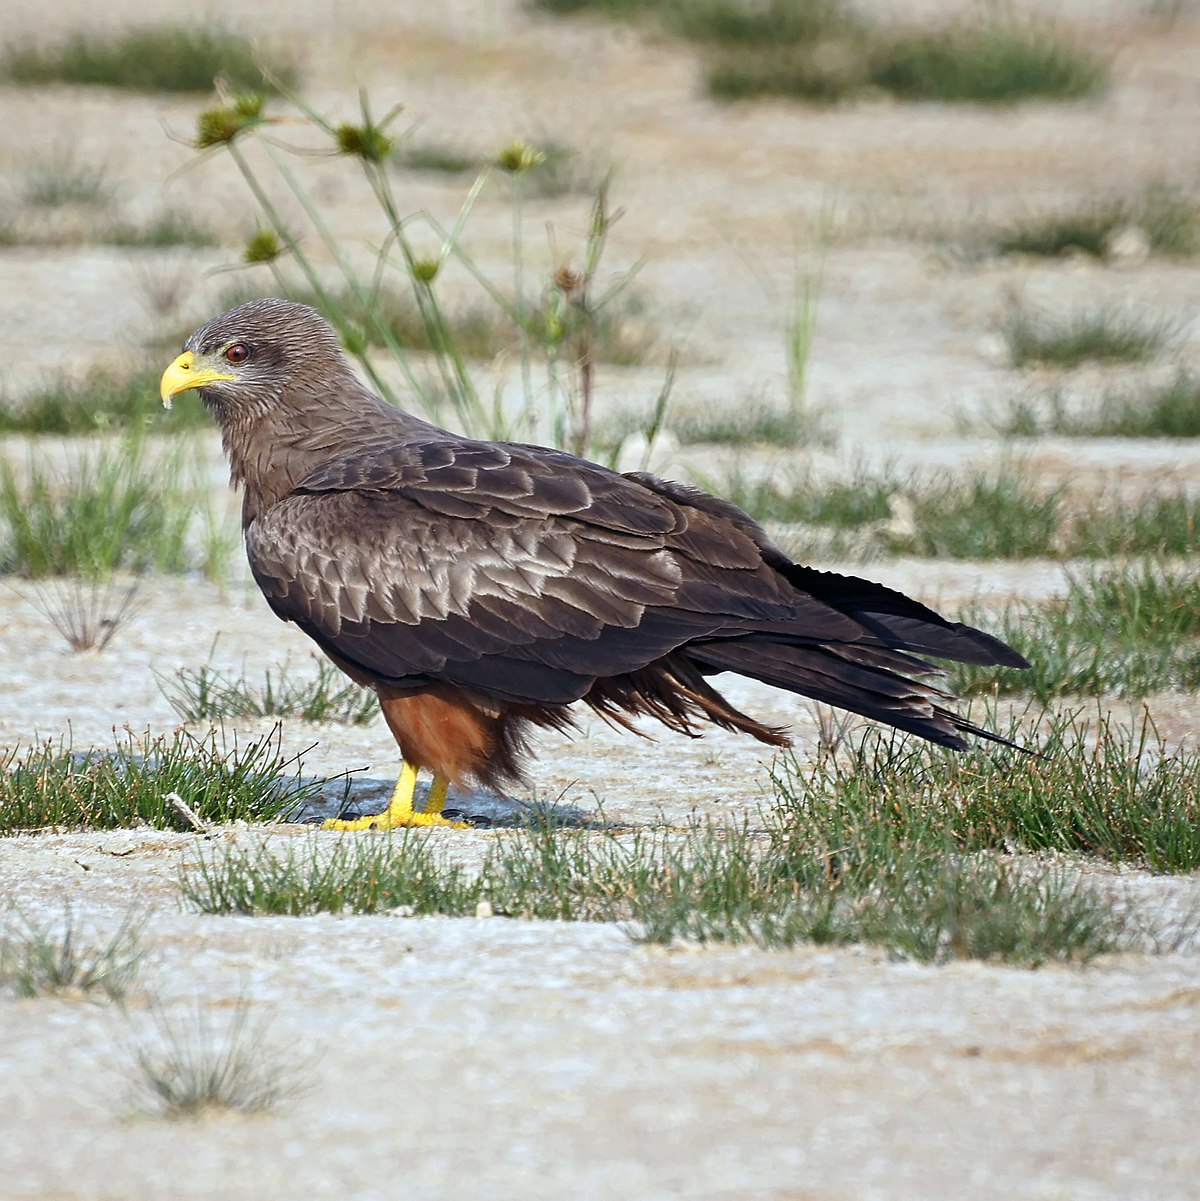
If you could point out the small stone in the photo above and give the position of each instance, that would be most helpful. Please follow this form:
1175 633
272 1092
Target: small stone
993 348
1127 247
901 524
484 909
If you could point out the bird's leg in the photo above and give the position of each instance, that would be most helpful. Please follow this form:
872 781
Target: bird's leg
400 809
436 800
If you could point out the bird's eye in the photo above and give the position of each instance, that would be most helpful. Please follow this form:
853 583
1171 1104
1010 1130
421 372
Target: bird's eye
239 352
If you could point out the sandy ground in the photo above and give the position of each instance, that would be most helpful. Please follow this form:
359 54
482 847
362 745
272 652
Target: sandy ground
491 1058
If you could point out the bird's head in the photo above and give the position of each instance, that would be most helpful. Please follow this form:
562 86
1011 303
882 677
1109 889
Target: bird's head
244 361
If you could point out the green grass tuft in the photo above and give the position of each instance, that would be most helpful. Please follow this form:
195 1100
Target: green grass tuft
618 9
821 74
1168 219
437 159
920 903
821 50
1172 411
191 1066
1128 631
557 171
319 876
803 500
478 331
751 424
164 230
166 58
1165 525
117 508
101 400
815 874
37 960
1099 335
724 22
1160 411
560 171
998 61
131 784
1095 788
205 693
991 514
733 22
61 179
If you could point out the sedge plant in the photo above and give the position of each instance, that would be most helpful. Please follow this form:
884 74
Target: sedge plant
557 329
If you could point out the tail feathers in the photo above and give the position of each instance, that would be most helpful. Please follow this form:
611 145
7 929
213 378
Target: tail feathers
901 622
861 679
955 641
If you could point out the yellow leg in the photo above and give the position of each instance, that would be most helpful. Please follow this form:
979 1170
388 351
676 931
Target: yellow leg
436 800
400 809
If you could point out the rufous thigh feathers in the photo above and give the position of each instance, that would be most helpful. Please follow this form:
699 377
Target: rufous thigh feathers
442 732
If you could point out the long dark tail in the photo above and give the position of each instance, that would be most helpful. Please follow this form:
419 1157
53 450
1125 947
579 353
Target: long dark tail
872 681
900 622
877 675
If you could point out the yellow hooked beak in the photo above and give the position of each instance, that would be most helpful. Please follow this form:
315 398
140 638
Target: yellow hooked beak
185 373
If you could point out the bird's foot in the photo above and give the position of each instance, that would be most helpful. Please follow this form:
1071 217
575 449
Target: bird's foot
400 815
394 821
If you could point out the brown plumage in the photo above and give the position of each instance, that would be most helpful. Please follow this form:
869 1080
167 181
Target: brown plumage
484 587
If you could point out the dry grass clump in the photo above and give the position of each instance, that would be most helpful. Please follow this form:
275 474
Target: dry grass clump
825 51
64 960
154 58
1101 335
202 694
1149 410
196 1064
88 613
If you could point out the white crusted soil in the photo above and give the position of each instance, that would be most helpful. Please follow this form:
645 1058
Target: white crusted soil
491 1058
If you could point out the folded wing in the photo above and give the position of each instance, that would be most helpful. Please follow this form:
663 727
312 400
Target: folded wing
533 577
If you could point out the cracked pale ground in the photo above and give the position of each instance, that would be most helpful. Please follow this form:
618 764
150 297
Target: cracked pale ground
503 1059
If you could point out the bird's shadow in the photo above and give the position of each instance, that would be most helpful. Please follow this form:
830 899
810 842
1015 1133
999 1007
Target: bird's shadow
352 797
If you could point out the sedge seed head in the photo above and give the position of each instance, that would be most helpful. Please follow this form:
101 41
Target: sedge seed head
567 280
262 247
426 270
248 105
518 157
216 126
366 141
